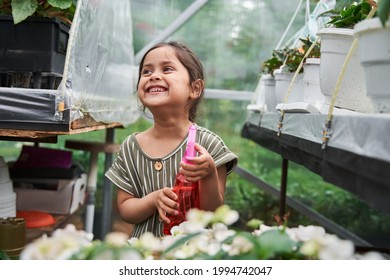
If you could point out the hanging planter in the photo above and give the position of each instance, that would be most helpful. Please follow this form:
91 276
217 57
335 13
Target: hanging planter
282 83
337 49
335 45
311 79
269 92
374 55
267 80
291 58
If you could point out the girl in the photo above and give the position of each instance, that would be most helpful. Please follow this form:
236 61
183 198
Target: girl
170 86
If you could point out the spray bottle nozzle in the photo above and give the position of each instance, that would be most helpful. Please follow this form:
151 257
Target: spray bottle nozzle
190 150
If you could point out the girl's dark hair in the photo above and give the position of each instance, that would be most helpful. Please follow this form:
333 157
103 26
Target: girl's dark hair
190 61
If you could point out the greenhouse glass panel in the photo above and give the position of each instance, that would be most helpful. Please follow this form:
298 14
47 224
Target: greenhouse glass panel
231 37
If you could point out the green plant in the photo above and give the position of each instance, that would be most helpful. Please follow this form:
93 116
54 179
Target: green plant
383 10
347 13
271 64
306 44
22 9
291 58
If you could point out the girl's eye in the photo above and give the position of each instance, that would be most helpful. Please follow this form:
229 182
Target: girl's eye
168 69
146 72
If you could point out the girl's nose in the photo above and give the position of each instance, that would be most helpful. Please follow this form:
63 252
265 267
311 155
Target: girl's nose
155 76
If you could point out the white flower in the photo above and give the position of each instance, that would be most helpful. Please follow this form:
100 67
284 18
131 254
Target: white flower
370 256
150 242
334 248
221 232
186 251
130 255
239 246
187 227
306 233
225 215
60 246
117 239
263 228
167 242
310 248
196 216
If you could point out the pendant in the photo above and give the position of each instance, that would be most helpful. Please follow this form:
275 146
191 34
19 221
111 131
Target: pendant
158 165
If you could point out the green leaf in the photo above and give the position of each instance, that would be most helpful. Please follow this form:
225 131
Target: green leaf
3 255
22 9
62 4
274 243
383 11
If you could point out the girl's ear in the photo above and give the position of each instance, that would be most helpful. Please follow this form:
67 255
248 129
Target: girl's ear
197 88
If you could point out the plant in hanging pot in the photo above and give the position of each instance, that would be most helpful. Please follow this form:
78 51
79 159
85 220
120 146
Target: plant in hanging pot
336 41
383 11
265 91
291 58
311 73
33 41
373 36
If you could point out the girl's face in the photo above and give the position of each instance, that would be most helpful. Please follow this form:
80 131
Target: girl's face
164 81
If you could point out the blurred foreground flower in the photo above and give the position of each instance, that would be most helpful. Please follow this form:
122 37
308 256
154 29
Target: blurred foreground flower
205 235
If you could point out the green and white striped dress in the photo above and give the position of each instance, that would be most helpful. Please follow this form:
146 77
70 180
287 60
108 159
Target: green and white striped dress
135 172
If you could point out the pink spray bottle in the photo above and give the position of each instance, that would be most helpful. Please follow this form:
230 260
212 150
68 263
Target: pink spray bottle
187 192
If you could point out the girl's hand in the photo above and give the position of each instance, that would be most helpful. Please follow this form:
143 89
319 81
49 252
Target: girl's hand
165 202
199 167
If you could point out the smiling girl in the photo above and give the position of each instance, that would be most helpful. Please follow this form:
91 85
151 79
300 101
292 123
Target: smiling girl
170 86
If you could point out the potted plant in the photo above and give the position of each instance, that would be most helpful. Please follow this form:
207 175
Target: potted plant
34 37
22 9
373 36
336 41
291 58
265 91
311 73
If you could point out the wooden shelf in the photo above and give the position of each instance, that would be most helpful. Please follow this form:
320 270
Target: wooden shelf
85 124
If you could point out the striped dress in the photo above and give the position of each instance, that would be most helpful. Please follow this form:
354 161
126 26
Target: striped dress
139 174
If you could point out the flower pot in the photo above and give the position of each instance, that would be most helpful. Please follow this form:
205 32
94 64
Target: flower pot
282 83
33 48
374 55
311 79
268 82
335 45
12 236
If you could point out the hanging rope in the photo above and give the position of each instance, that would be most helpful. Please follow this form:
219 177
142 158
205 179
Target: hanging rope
326 133
280 124
289 25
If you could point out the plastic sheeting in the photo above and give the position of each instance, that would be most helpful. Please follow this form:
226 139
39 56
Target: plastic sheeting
99 76
357 157
32 109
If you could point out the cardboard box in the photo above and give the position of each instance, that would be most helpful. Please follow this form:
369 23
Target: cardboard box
57 196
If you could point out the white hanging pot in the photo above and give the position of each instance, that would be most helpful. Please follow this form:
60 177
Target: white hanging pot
269 92
282 83
311 80
374 55
335 45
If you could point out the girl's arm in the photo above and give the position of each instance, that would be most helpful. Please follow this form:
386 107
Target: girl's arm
137 210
